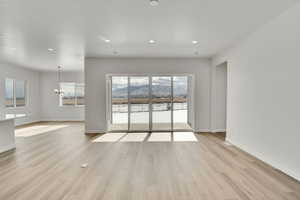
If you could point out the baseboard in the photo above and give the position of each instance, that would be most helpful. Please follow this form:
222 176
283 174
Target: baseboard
218 130
210 131
61 120
7 148
202 131
45 121
259 156
91 132
27 123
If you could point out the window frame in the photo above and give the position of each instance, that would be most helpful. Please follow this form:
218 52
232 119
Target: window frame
14 94
76 96
60 103
25 93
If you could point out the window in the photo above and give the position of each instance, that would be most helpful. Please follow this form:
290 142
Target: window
15 93
68 98
79 91
73 94
20 93
9 93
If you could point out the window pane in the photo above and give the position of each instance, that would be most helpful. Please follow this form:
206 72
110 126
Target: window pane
9 92
139 102
119 103
161 103
180 106
20 93
68 99
80 93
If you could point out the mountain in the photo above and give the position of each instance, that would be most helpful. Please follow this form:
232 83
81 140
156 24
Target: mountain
143 91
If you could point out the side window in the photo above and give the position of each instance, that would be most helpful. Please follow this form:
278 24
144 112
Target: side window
9 93
80 94
73 94
68 98
15 93
20 88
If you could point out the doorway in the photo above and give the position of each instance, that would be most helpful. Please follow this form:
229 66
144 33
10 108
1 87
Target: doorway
150 103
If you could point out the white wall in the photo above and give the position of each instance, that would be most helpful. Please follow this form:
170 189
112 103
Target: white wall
96 69
33 102
263 93
50 109
219 96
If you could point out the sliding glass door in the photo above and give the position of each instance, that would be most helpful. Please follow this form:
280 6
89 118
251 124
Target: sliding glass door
119 103
139 107
150 103
161 101
180 103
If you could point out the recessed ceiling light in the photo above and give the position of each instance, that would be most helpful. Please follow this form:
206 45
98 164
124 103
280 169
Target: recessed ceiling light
153 2
50 49
195 42
151 41
105 39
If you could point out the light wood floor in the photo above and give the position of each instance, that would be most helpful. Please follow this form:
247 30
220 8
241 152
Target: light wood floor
46 166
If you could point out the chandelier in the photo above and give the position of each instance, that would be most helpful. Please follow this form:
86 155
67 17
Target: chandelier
153 2
59 91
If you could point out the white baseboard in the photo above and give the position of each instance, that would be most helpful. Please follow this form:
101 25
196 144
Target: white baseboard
94 131
210 131
7 148
202 130
37 121
28 122
218 130
61 120
260 156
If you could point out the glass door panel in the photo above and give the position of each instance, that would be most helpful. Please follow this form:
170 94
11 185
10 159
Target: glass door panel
161 93
143 103
139 103
119 103
180 103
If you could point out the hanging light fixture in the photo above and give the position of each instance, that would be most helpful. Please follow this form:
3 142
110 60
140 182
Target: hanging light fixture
153 2
59 91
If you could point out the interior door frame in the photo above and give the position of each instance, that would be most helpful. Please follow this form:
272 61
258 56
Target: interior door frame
190 106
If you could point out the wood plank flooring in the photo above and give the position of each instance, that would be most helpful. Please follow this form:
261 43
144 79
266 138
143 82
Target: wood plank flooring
46 165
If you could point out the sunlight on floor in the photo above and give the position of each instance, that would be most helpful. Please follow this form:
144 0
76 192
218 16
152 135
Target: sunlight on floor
110 137
37 130
160 137
153 137
134 137
184 137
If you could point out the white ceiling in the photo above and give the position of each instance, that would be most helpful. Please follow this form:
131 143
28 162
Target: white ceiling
76 28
